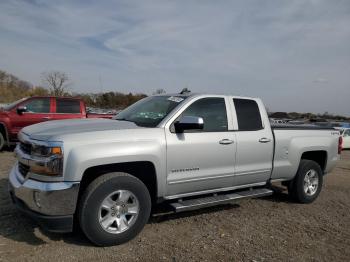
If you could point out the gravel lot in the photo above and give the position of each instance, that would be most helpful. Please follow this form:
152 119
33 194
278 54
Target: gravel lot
266 229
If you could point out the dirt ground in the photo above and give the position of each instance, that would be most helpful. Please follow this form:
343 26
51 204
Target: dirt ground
266 229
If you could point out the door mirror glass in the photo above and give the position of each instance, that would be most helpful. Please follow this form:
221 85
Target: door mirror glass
189 123
21 110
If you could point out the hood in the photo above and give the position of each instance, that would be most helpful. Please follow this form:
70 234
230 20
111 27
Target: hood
47 131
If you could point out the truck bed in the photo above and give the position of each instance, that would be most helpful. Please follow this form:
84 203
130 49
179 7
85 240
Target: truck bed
292 141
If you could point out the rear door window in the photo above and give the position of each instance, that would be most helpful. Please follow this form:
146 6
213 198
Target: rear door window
248 115
67 106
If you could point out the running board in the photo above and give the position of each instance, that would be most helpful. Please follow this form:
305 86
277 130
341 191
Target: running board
193 204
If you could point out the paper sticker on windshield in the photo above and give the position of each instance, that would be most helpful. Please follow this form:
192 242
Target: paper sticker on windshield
176 99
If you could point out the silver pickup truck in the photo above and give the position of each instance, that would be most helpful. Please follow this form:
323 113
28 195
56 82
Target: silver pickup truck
187 151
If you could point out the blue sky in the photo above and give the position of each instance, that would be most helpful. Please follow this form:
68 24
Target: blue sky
295 55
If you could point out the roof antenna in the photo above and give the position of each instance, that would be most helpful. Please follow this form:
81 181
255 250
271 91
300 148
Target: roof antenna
185 91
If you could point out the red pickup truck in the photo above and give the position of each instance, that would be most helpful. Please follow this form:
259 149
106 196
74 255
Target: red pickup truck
29 111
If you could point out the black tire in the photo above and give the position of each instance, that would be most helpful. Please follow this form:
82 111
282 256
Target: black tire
96 192
296 186
2 142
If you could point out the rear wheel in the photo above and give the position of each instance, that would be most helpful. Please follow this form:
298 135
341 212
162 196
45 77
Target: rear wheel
2 141
307 184
114 208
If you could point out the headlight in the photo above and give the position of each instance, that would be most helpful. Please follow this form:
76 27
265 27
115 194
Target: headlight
48 160
38 150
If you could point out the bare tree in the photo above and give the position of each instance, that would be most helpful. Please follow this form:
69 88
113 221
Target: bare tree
57 82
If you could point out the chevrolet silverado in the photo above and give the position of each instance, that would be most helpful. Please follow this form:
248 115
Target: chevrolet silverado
187 151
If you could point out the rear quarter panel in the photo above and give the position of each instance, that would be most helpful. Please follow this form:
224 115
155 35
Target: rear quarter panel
291 144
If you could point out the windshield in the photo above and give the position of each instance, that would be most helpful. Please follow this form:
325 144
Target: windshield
12 105
150 111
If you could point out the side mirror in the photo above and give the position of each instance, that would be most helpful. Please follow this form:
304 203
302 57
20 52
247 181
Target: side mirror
21 109
189 123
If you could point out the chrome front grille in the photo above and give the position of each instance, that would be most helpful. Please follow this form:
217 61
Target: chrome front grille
23 169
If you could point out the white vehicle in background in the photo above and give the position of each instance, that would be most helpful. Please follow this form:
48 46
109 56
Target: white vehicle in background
345 132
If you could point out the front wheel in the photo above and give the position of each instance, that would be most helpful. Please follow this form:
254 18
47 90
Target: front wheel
114 209
307 184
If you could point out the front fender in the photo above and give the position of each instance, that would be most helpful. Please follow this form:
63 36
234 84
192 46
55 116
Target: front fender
83 157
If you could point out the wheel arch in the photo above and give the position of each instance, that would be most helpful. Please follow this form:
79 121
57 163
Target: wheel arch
143 170
319 156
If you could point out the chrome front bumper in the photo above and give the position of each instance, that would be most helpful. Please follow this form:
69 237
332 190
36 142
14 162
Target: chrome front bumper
46 198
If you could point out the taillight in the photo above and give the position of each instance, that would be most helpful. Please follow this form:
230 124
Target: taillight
340 145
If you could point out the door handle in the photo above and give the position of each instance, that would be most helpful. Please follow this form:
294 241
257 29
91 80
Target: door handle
264 140
226 141
46 118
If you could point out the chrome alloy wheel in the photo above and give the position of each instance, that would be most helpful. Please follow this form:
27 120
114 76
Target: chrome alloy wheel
118 211
311 182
